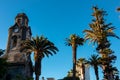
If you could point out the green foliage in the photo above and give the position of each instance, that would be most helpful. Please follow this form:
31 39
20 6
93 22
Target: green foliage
41 47
100 31
93 60
81 60
74 39
3 67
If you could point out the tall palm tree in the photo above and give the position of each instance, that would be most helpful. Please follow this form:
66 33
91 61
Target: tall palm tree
94 61
99 33
41 47
74 41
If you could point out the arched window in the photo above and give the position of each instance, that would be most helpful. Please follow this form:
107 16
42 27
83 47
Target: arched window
19 21
14 41
24 33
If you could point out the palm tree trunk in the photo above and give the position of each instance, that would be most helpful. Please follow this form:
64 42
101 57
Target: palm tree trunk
38 68
105 72
104 67
96 72
83 71
74 61
37 77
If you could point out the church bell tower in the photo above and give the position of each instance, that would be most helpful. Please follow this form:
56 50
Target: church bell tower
20 62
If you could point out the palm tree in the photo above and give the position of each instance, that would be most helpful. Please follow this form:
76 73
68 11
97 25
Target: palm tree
94 61
41 47
99 34
99 30
74 41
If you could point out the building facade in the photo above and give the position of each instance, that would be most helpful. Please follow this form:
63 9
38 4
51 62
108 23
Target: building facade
19 61
82 71
50 79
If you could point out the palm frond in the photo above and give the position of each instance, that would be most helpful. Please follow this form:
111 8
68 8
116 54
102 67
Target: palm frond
93 60
68 42
110 34
118 9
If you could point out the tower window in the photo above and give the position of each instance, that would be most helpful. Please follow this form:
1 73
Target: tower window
19 21
24 33
14 41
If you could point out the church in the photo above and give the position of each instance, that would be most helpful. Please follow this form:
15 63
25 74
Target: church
20 64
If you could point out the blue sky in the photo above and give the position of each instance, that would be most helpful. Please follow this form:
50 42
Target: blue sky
56 20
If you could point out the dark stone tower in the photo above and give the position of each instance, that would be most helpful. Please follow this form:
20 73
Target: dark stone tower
20 62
